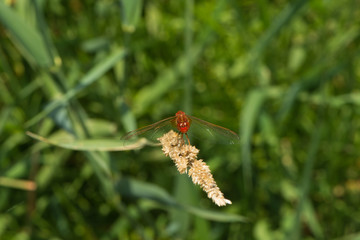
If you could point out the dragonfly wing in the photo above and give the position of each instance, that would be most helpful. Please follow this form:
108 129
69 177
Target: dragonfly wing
204 130
153 131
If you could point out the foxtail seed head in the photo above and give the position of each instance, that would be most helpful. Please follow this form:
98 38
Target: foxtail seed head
185 159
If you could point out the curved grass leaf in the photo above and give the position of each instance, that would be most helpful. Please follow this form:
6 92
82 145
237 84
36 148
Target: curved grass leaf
93 144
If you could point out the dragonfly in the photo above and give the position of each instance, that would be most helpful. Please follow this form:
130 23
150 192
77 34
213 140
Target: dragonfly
185 124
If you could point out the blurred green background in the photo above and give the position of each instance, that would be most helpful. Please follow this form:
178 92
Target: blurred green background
284 75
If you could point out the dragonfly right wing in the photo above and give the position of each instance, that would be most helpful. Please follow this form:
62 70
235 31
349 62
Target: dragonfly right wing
205 130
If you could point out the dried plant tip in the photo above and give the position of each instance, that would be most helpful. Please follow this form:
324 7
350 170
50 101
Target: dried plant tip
201 175
185 157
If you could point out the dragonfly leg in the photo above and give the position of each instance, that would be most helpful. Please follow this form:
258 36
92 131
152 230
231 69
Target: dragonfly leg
187 137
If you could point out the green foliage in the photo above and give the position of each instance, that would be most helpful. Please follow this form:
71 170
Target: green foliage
80 74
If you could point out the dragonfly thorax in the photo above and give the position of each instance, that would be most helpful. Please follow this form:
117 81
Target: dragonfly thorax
183 127
182 122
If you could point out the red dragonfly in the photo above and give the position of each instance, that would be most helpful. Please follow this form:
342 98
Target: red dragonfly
182 123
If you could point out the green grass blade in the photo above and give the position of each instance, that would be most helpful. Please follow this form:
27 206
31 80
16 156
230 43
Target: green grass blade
131 11
104 145
249 118
188 79
167 79
135 189
284 18
93 75
25 36
306 181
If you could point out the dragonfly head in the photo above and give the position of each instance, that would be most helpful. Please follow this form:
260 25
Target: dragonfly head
180 114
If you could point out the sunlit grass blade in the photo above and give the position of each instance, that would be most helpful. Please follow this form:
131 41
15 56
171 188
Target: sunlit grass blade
25 36
131 11
18 184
